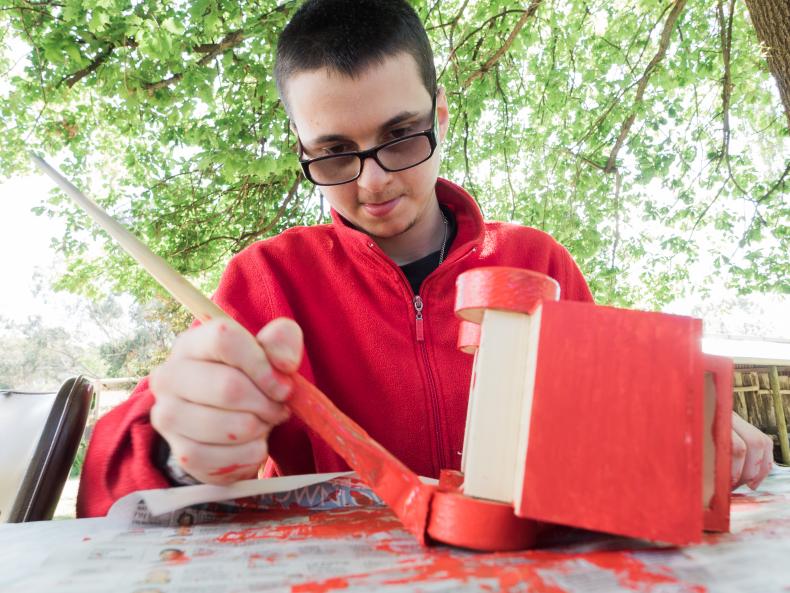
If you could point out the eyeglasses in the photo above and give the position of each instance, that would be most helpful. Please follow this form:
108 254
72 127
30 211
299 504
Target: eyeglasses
396 155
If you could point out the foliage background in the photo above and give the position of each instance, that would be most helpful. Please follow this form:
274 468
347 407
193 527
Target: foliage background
646 136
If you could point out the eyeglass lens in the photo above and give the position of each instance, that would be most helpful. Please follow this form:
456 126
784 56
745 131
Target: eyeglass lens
395 157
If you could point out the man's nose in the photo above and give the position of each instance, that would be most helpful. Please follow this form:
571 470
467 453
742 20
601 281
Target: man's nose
372 178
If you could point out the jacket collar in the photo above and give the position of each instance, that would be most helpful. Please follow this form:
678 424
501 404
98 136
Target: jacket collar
456 199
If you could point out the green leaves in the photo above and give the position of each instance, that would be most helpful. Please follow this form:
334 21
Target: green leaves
170 111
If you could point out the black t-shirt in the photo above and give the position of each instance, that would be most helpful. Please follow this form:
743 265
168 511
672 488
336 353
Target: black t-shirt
417 271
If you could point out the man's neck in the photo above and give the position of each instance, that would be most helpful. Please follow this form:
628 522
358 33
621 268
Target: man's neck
424 237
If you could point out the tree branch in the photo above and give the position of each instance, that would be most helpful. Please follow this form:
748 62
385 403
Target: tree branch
280 211
212 50
618 183
725 34
779 182
533 6
666 34
242 240
100 58
508 167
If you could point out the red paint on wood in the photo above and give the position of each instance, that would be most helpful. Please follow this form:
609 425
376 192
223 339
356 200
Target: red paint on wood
502 288
717 516
478 524
615 437
398 486
468 337
451 480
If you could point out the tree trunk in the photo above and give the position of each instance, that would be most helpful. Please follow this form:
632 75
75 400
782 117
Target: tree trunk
771 20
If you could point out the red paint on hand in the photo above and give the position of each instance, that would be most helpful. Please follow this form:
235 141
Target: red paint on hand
232 436
229 469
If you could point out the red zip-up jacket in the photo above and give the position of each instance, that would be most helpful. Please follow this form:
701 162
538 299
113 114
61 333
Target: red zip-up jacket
362 349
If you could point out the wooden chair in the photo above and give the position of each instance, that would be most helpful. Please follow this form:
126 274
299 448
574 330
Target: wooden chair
40 434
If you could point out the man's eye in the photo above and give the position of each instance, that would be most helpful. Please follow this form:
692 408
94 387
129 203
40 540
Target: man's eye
336 149
400 132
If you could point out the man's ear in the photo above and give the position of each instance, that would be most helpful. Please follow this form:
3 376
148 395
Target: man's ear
442 113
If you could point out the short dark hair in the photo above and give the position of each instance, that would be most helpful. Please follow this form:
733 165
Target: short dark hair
348 36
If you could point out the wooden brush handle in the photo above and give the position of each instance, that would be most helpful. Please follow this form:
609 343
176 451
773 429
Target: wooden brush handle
398 486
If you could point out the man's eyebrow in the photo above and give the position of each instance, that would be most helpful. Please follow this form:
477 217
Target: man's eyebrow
401 117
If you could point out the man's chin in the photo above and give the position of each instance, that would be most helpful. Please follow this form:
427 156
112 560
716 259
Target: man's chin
386 231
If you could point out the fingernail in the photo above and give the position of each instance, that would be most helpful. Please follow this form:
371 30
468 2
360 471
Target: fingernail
281 351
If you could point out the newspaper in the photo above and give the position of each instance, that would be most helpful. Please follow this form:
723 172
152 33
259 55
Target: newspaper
158 506
331 533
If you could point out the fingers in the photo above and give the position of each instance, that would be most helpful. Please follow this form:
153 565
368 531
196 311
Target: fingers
219 386
752 454
220 393
283 342
223 342
209 425
767 446
738 459
219 464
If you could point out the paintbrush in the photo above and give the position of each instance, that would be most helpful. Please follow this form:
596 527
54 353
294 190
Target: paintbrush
398 486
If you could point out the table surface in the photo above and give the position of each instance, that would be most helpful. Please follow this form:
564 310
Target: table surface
363 548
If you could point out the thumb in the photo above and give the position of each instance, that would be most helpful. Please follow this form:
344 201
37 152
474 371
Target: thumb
283 343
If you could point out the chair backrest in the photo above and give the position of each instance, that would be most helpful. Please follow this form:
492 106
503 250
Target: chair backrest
40 434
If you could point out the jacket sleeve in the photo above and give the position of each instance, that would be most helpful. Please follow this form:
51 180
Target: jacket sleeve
124 449
563 268
120 455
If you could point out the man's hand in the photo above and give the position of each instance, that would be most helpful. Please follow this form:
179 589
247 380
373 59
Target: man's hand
221 392
752 454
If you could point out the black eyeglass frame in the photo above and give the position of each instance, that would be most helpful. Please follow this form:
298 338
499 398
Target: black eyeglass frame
372 153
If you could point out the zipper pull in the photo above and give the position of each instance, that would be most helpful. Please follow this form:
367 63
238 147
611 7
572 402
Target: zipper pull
418 308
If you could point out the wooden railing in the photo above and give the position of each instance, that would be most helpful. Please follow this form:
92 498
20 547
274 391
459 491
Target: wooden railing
762 397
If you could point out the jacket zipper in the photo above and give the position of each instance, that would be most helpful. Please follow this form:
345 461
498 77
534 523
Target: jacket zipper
418 305
432 391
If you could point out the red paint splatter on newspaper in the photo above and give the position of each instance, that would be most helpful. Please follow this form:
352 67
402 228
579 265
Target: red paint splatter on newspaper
506 572
334 584
336 523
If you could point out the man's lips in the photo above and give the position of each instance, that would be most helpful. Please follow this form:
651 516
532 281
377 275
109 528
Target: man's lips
382 208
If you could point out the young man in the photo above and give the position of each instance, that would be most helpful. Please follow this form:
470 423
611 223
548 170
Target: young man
363 307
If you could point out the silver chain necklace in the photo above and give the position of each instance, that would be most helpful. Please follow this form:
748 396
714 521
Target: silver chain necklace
444 240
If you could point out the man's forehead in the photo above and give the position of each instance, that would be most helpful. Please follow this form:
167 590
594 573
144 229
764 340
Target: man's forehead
324 102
